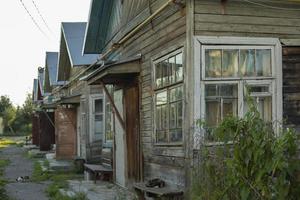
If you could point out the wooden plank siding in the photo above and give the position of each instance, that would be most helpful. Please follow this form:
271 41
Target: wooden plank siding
166 33
291 86
244 19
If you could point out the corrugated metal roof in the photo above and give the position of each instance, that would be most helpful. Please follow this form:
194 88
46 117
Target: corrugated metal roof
51 66
74 33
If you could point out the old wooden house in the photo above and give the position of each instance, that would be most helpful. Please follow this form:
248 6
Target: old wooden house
172 62
163 65
79 111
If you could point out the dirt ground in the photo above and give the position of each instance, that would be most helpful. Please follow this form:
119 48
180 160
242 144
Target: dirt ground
21 166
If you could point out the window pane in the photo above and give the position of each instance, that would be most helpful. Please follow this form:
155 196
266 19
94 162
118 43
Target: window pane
179 68
211 90
176 135
161 136
98 124
228 90
98 106
173 113
179 114
164 119
108 122
213 63
158 118
230 63
264 107
161 98
213 113
176 94
158 74
258 88
247 62
165 72
263 62
229 107
172 69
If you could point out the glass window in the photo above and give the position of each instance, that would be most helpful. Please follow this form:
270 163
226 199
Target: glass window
233 63
98 116
221 100
169 99
169 71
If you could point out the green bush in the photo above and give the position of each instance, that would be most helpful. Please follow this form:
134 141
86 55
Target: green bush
250 161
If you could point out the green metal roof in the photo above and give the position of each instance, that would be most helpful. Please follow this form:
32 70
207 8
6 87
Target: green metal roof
96 30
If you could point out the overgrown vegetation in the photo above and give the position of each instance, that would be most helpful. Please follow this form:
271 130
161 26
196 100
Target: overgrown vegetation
16 120
3 164
248 161
59 181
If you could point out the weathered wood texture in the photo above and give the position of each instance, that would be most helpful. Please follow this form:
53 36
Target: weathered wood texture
241 18
166 33
47 131
65 132
35 130
291 86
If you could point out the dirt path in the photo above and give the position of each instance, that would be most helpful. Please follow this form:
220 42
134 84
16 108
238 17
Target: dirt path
21 166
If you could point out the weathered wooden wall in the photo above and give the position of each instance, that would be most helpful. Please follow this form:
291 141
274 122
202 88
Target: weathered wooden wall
46 130
291 86
35 130
166 33
65 132
240 18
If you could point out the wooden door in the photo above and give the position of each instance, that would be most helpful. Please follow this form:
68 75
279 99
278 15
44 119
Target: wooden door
46 130
120 142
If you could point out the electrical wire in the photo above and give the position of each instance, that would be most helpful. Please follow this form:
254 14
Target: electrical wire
41 16
33 20
272 7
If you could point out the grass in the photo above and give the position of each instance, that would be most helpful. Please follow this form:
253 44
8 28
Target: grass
59 181
3 164
4 142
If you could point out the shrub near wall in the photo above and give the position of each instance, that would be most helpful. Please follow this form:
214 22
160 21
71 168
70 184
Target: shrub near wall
252 162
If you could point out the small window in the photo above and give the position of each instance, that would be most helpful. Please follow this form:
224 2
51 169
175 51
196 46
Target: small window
169 99
234 63
168 71
98 116
108 118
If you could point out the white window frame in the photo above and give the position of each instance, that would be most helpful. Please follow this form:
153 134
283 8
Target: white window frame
93 98
275 80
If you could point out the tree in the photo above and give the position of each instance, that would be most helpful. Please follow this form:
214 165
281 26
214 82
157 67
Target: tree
5 103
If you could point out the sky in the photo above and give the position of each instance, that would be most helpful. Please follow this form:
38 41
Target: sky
23 45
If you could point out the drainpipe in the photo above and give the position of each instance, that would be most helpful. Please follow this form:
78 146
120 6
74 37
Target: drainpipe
141 25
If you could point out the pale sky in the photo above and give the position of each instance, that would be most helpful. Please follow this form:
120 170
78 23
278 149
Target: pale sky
23 46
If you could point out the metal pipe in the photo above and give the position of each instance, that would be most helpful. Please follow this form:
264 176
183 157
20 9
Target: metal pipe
136 29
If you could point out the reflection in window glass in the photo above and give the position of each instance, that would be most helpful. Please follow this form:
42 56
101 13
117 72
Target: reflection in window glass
263 62
165 72
221 101
99 106
264 107
247 57
172 66
230 63
179 68
213 60
161 98
158 75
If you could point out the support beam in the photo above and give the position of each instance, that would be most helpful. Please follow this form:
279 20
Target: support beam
113 106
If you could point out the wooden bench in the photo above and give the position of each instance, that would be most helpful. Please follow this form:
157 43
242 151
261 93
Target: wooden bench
102 170
157 193
99 171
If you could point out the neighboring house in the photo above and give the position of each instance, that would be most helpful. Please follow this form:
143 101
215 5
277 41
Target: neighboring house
77 107
196 59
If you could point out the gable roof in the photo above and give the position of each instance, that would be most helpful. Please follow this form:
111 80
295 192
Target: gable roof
41 76
51 67
73 34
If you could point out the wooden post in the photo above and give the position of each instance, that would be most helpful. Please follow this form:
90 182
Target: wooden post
113 106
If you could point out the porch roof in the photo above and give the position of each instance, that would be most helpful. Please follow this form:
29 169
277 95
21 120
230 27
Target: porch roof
72 99
114 72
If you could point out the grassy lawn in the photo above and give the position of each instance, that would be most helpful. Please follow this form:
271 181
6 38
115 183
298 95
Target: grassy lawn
3 164
59 181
